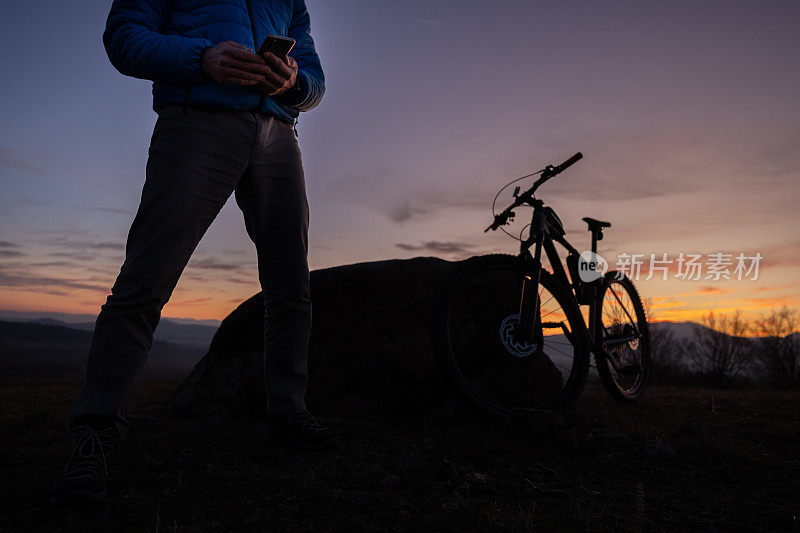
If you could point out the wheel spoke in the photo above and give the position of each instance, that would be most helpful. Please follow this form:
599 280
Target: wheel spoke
623 318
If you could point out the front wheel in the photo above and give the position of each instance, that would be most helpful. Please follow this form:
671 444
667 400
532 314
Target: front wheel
490 357
623 333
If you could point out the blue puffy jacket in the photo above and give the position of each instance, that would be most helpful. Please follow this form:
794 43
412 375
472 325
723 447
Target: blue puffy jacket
162 40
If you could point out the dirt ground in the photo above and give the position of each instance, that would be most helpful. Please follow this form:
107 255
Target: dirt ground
680 459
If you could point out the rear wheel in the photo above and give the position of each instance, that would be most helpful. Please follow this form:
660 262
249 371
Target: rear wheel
624 367
490 360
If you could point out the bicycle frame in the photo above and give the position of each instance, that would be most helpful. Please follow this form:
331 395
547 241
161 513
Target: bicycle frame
545 231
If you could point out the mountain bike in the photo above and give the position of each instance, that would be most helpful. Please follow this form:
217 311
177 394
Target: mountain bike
510 334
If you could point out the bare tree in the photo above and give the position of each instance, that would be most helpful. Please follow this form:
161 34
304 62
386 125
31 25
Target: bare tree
665 361
777 353
721 351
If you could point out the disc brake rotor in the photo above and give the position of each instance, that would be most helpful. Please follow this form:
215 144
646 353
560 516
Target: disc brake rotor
514 346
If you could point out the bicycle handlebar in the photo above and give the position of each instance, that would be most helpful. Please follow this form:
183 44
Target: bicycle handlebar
569 162
548 172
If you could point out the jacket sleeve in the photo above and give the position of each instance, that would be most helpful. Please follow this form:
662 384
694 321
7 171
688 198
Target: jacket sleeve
310 77
136 47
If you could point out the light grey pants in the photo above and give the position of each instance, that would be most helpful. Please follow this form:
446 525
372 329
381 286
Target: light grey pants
197 158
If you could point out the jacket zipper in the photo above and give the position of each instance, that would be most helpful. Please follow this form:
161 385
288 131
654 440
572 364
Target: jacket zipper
255 47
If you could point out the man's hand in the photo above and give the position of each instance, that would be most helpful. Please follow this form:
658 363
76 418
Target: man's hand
234 64
281 77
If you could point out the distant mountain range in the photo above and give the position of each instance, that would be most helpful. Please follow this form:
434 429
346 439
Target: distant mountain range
174 330
681 331
48 347
51 344
71 318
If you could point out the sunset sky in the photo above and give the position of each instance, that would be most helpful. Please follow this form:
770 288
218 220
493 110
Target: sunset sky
687 114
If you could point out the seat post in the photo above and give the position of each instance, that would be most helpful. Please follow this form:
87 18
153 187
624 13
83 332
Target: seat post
596 227
597 235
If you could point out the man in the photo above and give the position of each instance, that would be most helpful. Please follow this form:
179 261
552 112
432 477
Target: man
225 126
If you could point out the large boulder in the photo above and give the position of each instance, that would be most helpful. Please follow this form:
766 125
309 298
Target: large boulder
370 347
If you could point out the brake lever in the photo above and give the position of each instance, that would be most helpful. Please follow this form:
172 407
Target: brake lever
501 220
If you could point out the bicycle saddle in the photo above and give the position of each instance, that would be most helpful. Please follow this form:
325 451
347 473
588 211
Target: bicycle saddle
596 224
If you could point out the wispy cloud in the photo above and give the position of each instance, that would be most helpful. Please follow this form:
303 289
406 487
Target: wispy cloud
82 249
773 287
216 264
11 253
8 244
430 202
34 162
94 245
46 264
40 290
75 256
669 303
243 281
442 247
20 278
708 289
378 188
13 159
215 279
103 209
191 302
406 210
773 302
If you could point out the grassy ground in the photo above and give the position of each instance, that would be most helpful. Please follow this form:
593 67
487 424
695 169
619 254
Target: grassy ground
682 458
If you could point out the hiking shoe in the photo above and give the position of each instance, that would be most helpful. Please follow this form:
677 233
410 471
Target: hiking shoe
85 478
303 430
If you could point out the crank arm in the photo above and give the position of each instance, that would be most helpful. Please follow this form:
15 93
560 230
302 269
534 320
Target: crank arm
627 370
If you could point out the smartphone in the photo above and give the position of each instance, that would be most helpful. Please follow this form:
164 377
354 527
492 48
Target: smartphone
280 46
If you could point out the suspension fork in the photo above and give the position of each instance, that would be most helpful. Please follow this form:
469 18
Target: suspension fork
529 293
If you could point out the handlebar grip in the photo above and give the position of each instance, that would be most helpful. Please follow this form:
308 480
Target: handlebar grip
569 162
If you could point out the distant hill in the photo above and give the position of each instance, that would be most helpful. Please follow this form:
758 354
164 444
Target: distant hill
690 330
681 331
194 333
75 318
46 348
